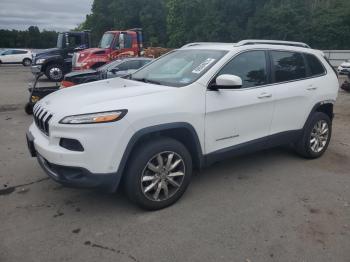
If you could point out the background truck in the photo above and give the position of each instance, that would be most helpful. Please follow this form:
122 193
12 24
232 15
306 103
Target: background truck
113 45
56 62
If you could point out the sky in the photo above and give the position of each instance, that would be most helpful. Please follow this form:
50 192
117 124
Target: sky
59 15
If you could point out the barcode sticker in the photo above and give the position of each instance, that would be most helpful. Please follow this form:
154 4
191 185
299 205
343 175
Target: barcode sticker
199 69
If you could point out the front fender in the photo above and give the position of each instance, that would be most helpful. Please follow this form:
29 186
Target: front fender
161 129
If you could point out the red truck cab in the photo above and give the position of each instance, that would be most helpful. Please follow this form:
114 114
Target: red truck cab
113 45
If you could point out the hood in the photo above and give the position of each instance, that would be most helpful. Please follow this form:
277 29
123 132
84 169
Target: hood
51 51
99 51
98 96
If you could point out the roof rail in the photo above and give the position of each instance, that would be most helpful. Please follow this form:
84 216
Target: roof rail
204 43
271 42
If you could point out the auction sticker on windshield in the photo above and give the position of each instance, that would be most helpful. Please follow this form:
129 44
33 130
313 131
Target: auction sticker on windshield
199 69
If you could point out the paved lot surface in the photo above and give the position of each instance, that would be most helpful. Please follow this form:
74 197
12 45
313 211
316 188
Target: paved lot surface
268 206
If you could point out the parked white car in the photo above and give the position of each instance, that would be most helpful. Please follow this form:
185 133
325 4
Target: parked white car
344 68
188 109
16 56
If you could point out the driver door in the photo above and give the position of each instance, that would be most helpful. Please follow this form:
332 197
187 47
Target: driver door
237 116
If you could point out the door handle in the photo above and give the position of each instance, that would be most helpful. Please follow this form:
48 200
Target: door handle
311 88
264 95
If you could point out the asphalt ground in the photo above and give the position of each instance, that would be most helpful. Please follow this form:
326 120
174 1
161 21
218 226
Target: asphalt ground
267 206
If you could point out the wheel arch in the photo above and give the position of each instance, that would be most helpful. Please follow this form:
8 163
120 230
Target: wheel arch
183 132
26 58
50 62
326 107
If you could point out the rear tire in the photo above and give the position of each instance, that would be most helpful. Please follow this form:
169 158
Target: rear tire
26 62
158 173
54 72
316 136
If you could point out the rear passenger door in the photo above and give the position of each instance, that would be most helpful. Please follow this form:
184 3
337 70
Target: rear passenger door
294 89
19 55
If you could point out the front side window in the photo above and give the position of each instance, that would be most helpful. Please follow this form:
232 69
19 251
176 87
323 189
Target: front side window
8 52
74 41
179 68
288 66
106 40
315 66
127 41
250 67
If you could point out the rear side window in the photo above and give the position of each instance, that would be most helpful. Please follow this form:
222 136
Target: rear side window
128 65
19 52
250 66
288 66
315 66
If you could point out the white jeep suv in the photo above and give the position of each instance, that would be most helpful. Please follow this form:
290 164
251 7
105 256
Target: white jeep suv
188 109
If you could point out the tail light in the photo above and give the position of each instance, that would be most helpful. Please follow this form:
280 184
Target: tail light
65 84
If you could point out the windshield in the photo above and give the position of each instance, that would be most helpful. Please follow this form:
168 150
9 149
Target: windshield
179 68
60 41
106 41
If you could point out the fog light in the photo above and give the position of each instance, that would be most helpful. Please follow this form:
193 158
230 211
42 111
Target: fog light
35 99
71 144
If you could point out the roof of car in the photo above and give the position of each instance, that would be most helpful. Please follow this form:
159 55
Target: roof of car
266 44
19 49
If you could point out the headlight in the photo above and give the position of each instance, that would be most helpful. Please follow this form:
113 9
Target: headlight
40 61
94 118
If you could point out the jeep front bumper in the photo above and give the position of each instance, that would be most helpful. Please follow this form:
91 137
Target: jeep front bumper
85 169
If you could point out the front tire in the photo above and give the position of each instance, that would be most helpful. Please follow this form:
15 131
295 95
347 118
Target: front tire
54 72
28 108
158 173
316 136
26 62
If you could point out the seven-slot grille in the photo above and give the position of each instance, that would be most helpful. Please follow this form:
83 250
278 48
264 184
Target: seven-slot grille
42 118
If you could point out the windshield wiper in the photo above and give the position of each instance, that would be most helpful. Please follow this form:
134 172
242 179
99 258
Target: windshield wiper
145 80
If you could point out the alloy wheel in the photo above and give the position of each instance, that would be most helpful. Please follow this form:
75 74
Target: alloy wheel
319 136
27 62
162 176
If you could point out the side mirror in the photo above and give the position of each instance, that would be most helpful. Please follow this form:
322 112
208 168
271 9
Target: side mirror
227 82
77 49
